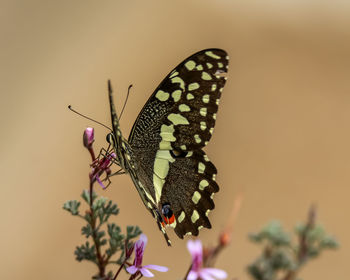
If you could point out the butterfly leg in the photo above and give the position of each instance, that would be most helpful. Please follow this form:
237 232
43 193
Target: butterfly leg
107 179
119 172
106 153
101 154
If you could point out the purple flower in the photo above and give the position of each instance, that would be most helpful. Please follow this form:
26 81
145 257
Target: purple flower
88 137
197 271
101 166
137 265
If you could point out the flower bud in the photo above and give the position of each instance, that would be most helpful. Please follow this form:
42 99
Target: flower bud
88 137
225 238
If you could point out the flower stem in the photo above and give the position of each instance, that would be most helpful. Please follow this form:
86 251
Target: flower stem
210 260
303 251
92 154
139 277
133 276
302 256
120 269
100 259
188 271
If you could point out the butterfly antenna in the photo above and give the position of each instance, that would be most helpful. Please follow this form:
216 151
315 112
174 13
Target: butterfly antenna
86 117
126 100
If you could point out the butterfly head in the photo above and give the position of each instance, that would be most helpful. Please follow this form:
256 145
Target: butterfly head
121 148
110 139
115 144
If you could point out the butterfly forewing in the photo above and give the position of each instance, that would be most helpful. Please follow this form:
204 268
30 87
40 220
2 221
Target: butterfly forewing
166 141
182 110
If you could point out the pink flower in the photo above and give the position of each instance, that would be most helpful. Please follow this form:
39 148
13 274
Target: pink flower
101 166
88 137
197 271
137 265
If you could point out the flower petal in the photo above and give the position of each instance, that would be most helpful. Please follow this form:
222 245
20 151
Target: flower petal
112 156
217 273
145 272
205 276
157 267
88 137
132 269
144 239
141 243
193 275
139 249
195 247
100 182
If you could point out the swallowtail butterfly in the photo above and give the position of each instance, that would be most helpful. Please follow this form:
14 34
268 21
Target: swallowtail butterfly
163 155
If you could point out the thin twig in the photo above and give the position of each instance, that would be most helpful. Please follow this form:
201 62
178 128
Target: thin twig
225 236
119 270
302 254
133 276
140 277
188 271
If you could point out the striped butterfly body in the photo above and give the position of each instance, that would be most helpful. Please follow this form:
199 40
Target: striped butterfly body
163 155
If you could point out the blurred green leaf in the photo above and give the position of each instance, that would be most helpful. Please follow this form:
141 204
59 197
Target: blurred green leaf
315 234
272 232
111 208
132 232
116 240
98 237
313 252
72 206
282 257
85 252
105 210
99 203
86 230
255 237
329 242
87 217
86 196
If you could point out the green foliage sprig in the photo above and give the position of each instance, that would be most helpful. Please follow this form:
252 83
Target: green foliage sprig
107 238
282 258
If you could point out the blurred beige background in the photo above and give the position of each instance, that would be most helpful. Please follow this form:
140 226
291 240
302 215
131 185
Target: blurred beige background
282 137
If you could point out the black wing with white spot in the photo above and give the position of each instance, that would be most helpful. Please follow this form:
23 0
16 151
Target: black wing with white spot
181 113
189 189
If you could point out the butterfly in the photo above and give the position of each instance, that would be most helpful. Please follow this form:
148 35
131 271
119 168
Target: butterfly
163 154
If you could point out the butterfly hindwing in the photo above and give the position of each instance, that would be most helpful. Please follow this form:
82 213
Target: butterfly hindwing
189 189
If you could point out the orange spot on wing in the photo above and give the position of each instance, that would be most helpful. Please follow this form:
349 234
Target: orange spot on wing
170 220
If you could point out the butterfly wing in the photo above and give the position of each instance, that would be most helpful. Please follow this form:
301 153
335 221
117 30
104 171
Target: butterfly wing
174 125
186 101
